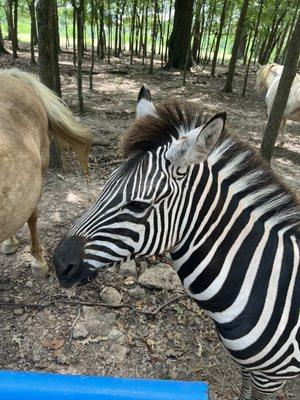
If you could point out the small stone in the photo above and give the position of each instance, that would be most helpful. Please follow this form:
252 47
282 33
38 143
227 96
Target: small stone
116 336
96 322
161 276
80 331
18 311
61 358
137 293
110 295
118 352
143 266
128 268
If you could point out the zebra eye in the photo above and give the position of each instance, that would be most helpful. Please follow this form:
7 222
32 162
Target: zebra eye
137 206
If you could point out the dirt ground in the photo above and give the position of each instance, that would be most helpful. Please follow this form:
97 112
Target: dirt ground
179 341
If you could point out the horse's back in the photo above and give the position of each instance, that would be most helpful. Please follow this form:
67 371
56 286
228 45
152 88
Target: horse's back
23 140
292 110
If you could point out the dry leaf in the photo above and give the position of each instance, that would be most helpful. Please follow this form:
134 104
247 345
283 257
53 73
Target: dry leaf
54 344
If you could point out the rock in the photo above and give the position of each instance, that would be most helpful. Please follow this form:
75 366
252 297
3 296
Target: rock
143 266
96 322
18 311
137 293
118 352
128 268
110 295
162 276
116 336
61 358
80 331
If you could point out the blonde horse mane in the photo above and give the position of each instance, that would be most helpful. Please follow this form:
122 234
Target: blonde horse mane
262 74
62 123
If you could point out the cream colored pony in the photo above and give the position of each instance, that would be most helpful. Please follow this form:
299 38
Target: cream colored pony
267 77
30 114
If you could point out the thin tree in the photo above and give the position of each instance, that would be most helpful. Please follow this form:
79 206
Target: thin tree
154 35
235 47
93 44
209 26
11 10
145 34
282 94
79 18
31 7
227 35
132 29
252 46
196 30
222 21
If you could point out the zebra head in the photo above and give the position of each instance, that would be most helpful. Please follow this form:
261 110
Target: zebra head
141 210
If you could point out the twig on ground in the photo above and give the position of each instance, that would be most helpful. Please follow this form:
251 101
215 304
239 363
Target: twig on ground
90 304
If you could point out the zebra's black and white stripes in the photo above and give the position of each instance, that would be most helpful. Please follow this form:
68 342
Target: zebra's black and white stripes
231 226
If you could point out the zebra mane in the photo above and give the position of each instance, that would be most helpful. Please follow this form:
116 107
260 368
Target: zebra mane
150 132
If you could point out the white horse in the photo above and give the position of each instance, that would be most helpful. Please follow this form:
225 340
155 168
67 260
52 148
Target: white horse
268 77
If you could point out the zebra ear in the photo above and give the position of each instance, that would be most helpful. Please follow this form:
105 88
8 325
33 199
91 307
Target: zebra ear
195 146
144 104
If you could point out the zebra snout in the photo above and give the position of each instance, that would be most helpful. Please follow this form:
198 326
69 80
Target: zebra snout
67 260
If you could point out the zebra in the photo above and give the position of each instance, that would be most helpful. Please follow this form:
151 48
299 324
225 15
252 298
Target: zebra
231 226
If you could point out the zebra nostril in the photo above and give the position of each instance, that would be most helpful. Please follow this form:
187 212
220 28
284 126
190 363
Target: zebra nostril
68 270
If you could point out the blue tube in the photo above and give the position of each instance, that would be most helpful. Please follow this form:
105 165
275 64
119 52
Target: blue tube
44 386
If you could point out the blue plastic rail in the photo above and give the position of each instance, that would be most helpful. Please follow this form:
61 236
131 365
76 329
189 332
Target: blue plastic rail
44 386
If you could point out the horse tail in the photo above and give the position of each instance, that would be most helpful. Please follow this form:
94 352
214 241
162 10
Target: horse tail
62 122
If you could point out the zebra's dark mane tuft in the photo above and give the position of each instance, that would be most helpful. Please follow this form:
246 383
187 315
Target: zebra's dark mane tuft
150 132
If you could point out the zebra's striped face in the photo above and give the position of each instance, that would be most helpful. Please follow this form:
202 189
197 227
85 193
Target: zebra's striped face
130 218
139 210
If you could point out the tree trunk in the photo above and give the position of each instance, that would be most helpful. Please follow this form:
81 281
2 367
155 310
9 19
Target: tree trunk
146 34
290 31
210 21
16 3
196 31
11 20
79 14
2 48
235 48
154 34
168 29
282 94
109 34
141 44
132 30
179 42
250 38
201 33
102 40
93 44
116 30
120 28
222 20
227 35
252 46
56 51
31 8
242 46
74 37
66 27
47 47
